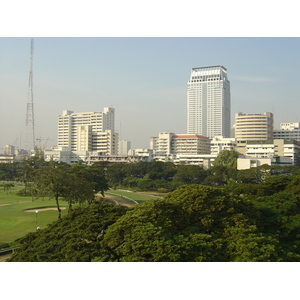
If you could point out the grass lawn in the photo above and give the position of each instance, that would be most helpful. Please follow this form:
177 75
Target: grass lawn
15 222
137 196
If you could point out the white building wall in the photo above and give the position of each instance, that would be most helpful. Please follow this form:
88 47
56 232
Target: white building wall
99 122
124 147
247 163
219 143
287 131
289 126
208 102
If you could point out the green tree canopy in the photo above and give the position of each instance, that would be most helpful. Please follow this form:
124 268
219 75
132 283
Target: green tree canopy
193 223
74 237
227 158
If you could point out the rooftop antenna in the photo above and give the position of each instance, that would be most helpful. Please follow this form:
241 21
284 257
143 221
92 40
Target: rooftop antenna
30 108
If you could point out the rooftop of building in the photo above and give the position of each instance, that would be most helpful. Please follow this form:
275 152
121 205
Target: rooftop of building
209 67
189 136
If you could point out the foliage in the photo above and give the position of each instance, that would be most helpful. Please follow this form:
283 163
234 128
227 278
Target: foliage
255 175
248 215
75 237
220 175
189 174
227 158
7 187
194 223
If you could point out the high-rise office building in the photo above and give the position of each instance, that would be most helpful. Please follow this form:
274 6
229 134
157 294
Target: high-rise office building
208 102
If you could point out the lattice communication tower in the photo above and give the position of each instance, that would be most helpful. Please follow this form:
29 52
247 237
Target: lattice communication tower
30 108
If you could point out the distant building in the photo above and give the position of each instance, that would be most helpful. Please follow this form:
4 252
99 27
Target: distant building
64 154
134 155
167 146
252 127
219 143
9 150
142 154
248 162
88 131
277 152
124 147
287 131
6 158
208 102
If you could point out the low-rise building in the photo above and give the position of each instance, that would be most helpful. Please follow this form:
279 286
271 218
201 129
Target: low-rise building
168 146
275 152
219 143
287 131
6 158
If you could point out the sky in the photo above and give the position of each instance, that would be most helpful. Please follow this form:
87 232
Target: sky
143 78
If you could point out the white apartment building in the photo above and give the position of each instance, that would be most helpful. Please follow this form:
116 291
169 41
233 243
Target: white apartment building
252 127
287 131
88 131
167 146
208 102
190 144
279 150
219 143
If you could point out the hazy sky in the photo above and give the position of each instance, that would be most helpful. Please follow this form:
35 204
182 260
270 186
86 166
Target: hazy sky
144 79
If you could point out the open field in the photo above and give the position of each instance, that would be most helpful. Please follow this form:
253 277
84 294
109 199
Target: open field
18 216
15 222
136 196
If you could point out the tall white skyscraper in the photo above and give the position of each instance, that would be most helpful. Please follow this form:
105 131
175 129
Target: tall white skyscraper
208 102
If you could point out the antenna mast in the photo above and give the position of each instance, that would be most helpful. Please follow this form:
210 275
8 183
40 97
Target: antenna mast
30 109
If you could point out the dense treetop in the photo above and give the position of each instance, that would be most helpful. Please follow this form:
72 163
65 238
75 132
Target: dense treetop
219 214
193 223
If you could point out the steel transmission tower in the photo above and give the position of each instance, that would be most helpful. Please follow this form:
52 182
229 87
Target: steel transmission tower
30 108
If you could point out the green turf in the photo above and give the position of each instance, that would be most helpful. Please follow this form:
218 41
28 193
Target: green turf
137 196
15 222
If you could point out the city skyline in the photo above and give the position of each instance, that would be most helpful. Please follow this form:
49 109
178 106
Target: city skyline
143 79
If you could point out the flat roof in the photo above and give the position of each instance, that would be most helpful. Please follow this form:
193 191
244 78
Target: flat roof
217 66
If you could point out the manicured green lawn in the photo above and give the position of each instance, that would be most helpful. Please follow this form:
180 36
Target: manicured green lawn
15 222
137 196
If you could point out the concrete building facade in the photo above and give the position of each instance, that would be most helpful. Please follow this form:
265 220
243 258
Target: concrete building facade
88 131
167 146
252 127
219 143
279 152
208 102
287 131
124 147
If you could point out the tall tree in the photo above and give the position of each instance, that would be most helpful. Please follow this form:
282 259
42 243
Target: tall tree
227 158
54 181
